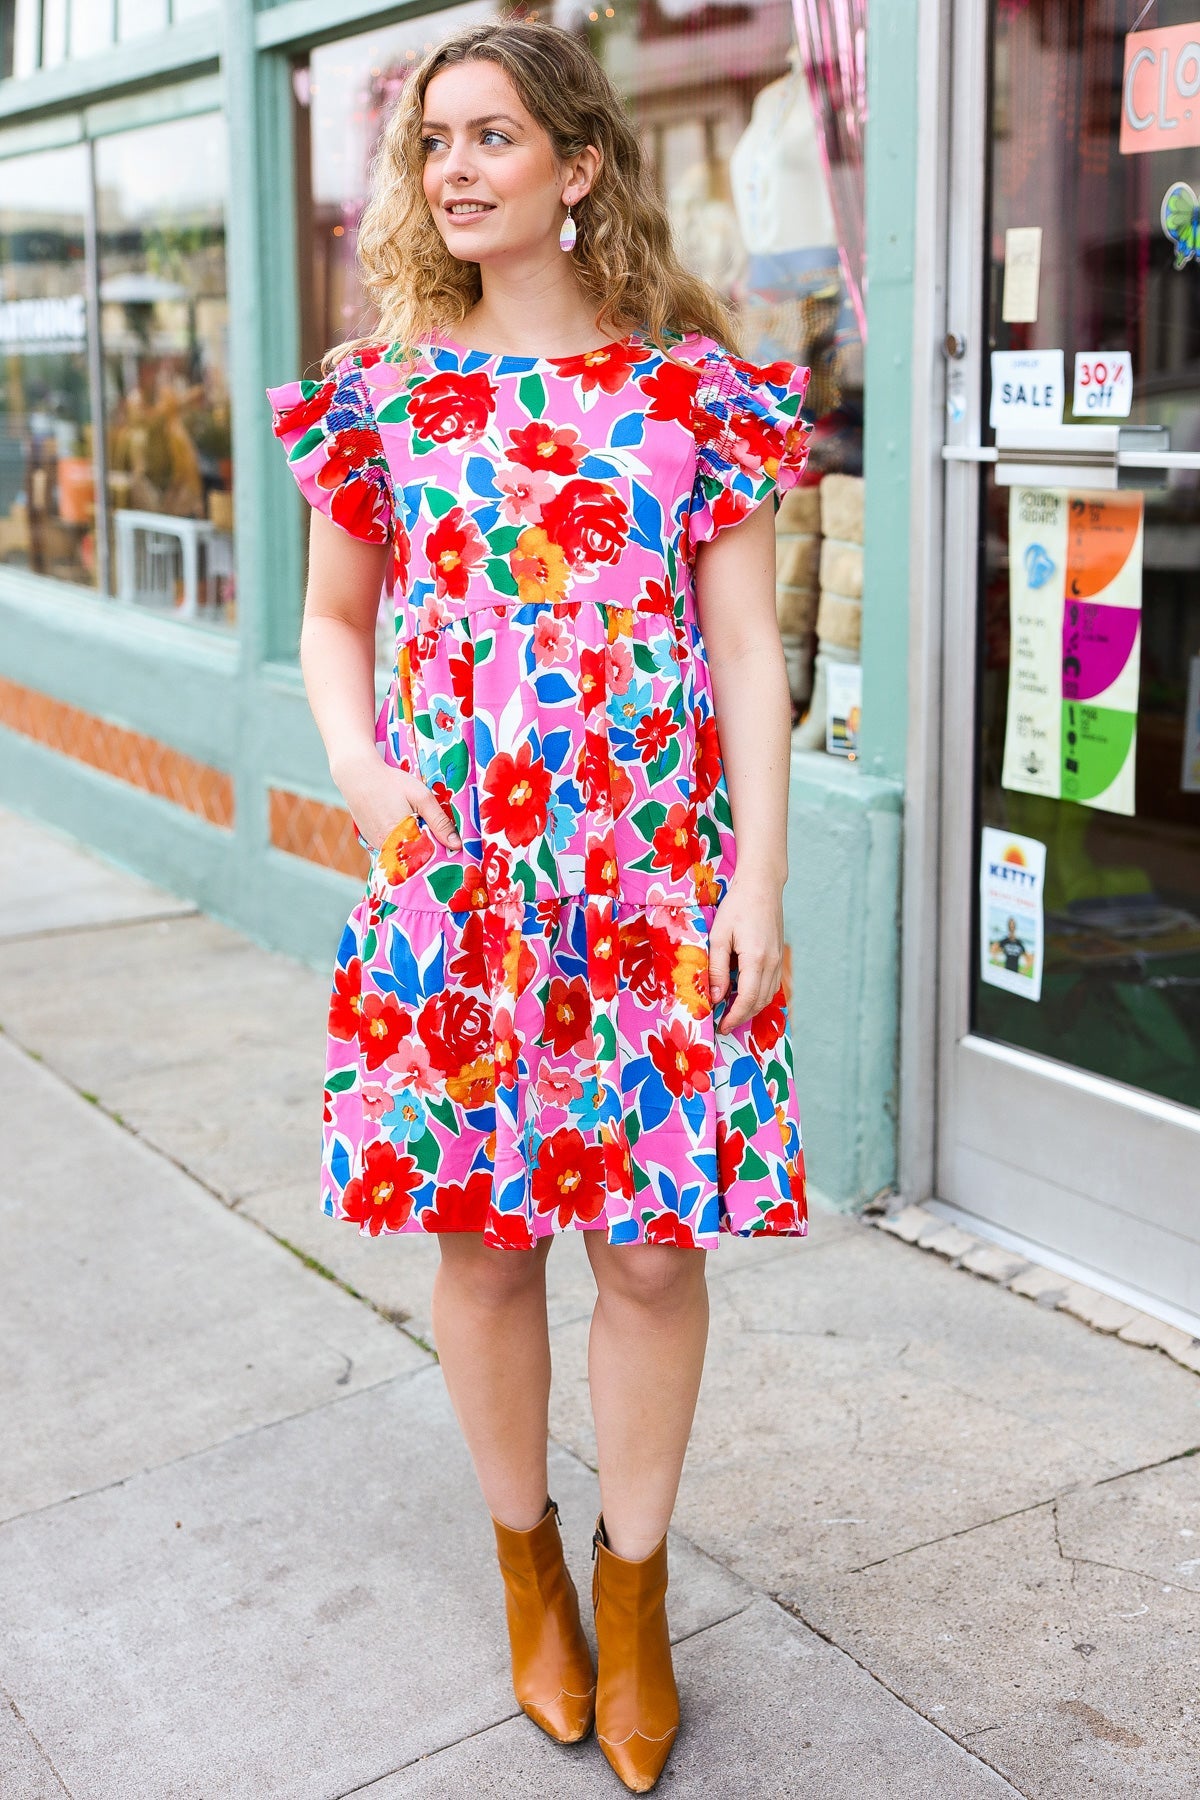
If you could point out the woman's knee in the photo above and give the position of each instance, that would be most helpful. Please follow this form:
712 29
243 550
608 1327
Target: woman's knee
652 1275
490 1277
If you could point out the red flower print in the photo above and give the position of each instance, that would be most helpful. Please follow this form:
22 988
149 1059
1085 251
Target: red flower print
600 867
604 951
526 491
456 1029
618 1161
708 758
516 794
655 598
467 965
462 677
382 1023
450 406
363 507
381 1198
455 549
460 1206
754 445
608 367
668 1228
731 1147
776 374
653 732
796 1179
568 1177
594 770
568 1013
676 846
307 411
473 1086
589 520
404 850
346 452
507 1231
591 678
345 1003
729 508
554 449
784 1217
401 551
473 893
672 392
647 960
682 1060
507 1052
767 1025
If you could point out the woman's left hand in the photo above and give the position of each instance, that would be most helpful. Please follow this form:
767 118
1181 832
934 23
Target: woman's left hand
748 925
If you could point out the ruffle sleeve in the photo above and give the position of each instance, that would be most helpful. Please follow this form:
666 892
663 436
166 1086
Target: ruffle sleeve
334 450
750 438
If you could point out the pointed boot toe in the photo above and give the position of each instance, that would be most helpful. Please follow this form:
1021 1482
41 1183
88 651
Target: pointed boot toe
554 1678
637 1702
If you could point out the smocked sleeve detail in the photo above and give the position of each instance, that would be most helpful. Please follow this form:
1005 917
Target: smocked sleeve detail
334 450
750 438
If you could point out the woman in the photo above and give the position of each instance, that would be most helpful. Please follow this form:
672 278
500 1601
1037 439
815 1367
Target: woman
555 466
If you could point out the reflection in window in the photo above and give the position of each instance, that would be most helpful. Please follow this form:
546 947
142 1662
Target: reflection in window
164 322
41 34
47 483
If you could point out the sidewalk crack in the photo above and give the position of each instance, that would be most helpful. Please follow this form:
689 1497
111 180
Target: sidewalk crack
35 1741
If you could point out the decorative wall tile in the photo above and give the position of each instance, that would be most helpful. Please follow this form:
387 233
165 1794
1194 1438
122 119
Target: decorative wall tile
129 756
318 832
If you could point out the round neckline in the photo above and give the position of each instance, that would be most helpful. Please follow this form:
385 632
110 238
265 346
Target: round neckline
462 351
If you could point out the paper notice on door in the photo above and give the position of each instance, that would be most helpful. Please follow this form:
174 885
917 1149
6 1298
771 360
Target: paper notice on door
1028 388
1190 781
1075 598
1012 880
1103 385
1022 274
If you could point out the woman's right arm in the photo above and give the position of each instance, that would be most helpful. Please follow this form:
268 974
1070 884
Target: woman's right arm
337 656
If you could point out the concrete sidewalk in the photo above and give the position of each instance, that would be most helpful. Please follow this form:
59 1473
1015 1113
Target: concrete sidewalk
932 1540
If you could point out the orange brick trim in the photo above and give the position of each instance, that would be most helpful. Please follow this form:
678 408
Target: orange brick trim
129 756
317 832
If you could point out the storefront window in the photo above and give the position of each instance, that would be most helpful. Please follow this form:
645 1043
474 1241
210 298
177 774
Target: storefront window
742 152
47 481
164 325
41 34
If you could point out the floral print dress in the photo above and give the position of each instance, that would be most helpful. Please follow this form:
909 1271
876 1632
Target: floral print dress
521 1035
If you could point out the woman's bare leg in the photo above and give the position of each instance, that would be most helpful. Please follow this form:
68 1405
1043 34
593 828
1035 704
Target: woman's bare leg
489 1320
645 1360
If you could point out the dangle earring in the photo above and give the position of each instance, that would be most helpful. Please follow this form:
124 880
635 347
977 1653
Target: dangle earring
566 237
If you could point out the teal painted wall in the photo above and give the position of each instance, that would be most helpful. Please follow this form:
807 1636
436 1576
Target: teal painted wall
236 701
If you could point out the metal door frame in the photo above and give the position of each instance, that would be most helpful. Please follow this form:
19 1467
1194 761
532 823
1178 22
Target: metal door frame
942 1064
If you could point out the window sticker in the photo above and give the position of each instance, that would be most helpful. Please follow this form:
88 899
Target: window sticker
1012 880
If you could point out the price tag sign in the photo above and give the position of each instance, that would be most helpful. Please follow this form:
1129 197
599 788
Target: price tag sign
1103 384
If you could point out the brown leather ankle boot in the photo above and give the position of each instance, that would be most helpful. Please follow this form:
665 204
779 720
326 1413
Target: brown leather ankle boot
637 1703
553 1675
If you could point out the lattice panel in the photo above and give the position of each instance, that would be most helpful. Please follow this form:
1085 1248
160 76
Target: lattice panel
317 832
128 756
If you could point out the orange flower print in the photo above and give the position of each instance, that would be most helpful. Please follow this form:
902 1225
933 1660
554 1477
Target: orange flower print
539 567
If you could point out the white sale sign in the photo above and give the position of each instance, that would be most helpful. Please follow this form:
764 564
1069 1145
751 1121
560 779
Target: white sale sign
1103 384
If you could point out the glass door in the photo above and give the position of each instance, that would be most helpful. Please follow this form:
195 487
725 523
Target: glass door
1069 1060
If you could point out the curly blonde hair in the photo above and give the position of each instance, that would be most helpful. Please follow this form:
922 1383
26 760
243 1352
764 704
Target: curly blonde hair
624 257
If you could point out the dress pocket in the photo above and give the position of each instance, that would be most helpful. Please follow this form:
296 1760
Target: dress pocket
408 846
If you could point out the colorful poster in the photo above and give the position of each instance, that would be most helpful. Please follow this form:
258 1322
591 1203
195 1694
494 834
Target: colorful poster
1075 599
843 708
1012 880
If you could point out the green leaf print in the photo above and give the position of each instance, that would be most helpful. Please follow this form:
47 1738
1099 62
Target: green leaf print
644 658
312 437
425 1152
648 818
752 1167
420 446
633 1130
532 395
454 766
369 944
604 1034
483 649
501 576
443 1111
342 1082
445 881
546 862
439 501
503 539
745 1120
393 411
